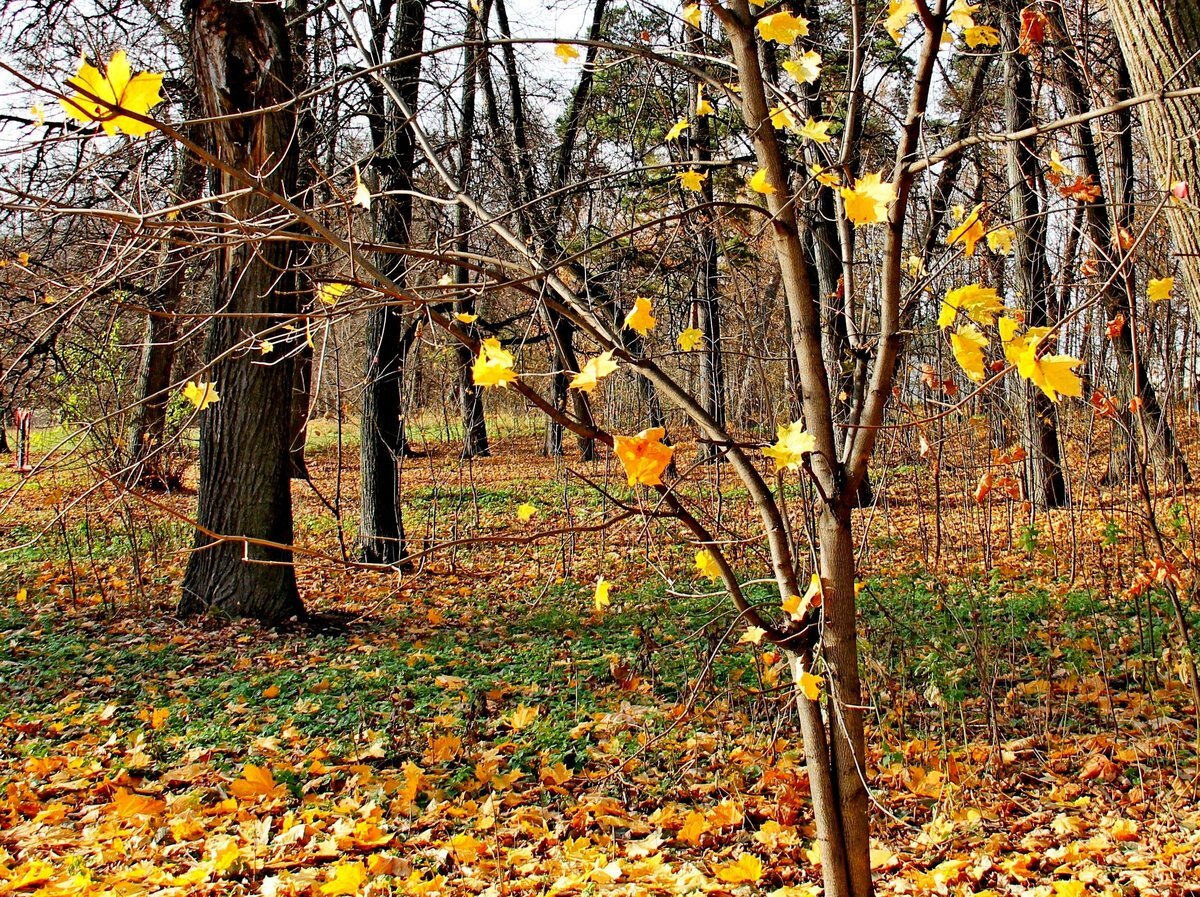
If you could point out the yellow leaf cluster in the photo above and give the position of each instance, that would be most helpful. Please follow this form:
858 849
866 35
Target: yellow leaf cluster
782 27
969 232
494 365
640 318
981 304
805 68
868 200
644 456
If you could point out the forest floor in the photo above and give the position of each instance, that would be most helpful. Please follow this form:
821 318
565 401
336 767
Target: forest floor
479 727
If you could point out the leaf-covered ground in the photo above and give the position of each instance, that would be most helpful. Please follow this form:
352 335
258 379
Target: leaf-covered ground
477 728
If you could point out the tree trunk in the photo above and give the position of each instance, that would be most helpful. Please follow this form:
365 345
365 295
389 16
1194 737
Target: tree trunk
1045 485
1118 294
474 421
1160 42
382 441
706 289
242 59
146 432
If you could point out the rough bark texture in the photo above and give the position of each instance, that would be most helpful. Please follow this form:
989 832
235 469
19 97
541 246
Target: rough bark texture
1118 294
382 444
242 61
1160 41
1045 485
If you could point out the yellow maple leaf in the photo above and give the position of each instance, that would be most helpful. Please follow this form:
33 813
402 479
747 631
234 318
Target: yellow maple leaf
201 394
329 293
695 826
595 370
759 183
97 96
266 347
747 868
1001 239
1158 289
981 36
256 782
565 52
781 117
791 446
960 14
968 345
691 14
703 106
827 176
347 879
362 193
816 131
782 27
600 599
968 233
639 317
806 68
1056 163
676 130
129 804
898 14
464 317
494 365
798 606
525 511
39 115
522 717
753 635
868 200
706 563
1052 374
689 339
1074 888
644 456
810 685
692 179
981 304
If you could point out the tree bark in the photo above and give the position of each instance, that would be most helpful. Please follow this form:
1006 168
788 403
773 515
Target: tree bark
382 441
1160 43
470 396
242 60
706 289
1118 294
1045 484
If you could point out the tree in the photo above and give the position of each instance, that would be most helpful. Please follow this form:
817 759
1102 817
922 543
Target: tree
397 33
1160 42
242 560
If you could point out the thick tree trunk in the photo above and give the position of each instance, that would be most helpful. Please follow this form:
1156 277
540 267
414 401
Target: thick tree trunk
1118 294
242 59
302 382
1045 484
382 440
1160 42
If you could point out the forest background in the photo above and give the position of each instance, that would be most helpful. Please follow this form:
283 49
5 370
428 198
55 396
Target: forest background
599 449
